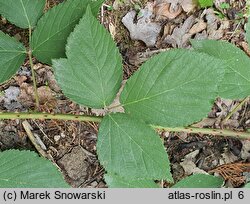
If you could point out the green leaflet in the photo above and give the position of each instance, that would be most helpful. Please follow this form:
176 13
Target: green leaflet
53 29
92 74
200 181
236 82
22 13
131 149
115 181
174 88
205 3
25 169
247 185
12 55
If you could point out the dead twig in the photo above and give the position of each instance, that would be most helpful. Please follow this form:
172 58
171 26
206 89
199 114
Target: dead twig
27 127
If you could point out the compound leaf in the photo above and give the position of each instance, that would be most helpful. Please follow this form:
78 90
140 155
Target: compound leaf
131 149
200 181
92 74
236 82
115 181
22 13
174 88
25 169
12 55
50 36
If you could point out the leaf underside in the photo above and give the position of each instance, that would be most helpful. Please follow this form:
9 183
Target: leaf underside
53 29
92 73
12 55
22 13
236 82
24 169
131 149
115 181
200 181
174 88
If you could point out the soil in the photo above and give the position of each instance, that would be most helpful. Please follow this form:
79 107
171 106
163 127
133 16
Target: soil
72 145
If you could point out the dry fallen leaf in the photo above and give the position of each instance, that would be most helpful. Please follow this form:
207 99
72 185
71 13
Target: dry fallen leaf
112 30
20 79
206 122
198 27
114 106
228 157
163 10
245 47
189 166
141 57
180 36
215 27
245 151
188 5
144 29
26 96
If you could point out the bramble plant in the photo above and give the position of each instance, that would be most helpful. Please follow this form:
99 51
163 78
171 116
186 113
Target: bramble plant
171 91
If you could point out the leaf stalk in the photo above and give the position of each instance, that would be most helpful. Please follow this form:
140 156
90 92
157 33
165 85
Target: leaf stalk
43 116
98 119
33 72
206 131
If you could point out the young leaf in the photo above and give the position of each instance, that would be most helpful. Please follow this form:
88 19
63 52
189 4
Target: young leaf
25 169
131 149
22 13
12 55
50 36
205 3
174 88
200 181
92 74
115 181
236 82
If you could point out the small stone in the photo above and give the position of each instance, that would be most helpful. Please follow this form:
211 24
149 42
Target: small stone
10 98
62 135
12 93
94 184
57 138
24 71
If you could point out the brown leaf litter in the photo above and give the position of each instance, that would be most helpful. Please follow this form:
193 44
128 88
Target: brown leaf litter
234 173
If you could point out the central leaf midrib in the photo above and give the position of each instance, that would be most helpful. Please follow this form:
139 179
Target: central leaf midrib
80 81
25 13
158 94
96 63
36 48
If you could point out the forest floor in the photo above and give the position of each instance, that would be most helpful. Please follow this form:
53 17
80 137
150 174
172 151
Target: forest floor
72 145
